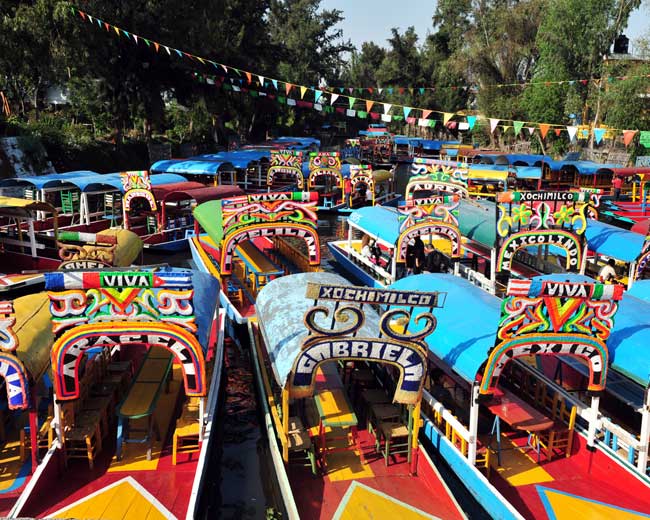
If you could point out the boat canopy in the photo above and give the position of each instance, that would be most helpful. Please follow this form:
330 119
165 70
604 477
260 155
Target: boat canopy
580 167
303 142
159 179
23 207
160 192
200 193
33 328
382 175
380 222
482 174
467 323
626 171
613 241
281 306
477 221
435 145
402 140
345 170
84 180
528 172
640 290
192 167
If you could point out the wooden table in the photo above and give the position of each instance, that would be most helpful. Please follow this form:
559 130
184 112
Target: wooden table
517 413
335 411
256 263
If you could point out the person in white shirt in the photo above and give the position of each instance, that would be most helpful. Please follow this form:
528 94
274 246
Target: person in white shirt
607 272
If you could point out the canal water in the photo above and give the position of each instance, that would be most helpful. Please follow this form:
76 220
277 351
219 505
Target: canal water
241 483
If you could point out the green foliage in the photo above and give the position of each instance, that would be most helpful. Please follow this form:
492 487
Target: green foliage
625 103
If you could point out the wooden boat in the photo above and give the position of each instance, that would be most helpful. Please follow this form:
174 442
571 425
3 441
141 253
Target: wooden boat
25 401
343 423
326 179
162 215
285 170
633 207
131 349
27 248
252 239
526 439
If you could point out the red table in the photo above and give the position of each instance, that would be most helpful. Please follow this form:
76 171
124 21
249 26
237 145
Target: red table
516 413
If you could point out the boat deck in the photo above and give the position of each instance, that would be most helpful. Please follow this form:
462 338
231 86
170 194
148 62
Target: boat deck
146 489
586 485
359 485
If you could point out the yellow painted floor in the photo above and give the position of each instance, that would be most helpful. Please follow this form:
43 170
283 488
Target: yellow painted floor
124 499
564 506
134 456
518 467
362 502
347 465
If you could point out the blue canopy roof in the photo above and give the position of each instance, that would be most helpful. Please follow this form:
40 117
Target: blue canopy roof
477 221
49 180
467 324
379 222
345 169
305 142
528 172
435 145
188 166
403 139
613 241
281 306
159 179
641 290
582 167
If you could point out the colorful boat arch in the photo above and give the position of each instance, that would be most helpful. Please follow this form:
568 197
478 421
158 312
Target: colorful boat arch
549 317
553 237
14 374
434 183
361 175
68 350
137 184
271 229
286 162
430 226
325 164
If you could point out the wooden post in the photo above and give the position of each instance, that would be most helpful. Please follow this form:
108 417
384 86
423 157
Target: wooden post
473 425
285 424
593 419
631 274
32 237
414 412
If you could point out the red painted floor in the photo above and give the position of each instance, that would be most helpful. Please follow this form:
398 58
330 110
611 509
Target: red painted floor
318 498
591 475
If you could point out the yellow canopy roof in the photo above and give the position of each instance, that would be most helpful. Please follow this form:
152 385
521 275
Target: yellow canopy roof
381 175
129 246
33 329
23 207
488 175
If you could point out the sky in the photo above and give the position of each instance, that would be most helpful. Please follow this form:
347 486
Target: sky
372 20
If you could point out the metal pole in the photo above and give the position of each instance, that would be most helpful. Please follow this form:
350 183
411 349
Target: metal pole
473 425
644 435
593 419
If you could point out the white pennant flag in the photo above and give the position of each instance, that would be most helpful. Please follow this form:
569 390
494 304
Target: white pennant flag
423 122
493 124
350 113
135 37
380 90
90 18
387 107
334 98
291 102
531 129
261 78
318 106
386 118
572 130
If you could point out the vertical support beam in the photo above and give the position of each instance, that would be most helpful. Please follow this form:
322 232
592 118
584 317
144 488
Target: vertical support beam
644 435
57 422
631 274
583 265
84 209
593 418
201 418
493 266
473 425
32 237
285 424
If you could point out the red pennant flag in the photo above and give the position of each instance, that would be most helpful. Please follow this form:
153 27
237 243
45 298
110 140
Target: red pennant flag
543 129
401 90
108 27
584 81
426 113
340 110
628 135
287 88
370 89
375 115
82 14
156 45
369 105
558 131
248 76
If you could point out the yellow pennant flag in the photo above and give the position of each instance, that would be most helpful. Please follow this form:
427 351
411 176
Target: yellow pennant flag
117 31
302 92
446 117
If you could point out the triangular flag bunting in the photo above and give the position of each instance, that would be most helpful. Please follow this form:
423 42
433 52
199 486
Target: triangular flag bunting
558 131
380 90
287 88
432 123
493 124
261 78
628 135
369 105
407 111
82 14
302 91
225 69
531 130
117 31
517 126
371 90
386 118
572 130
135 38
421 90
249 77
334 97
447 116
317 95
471 121
90 18
351 100
506 128
168 51
387 107
390 90
180 54
275 83
543 129
426 114
599 133
107 26
156 45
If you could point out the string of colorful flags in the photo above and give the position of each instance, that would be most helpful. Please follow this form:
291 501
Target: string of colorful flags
247 81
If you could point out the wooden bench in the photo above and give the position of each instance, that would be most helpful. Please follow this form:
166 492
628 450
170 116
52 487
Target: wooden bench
257 264
142 397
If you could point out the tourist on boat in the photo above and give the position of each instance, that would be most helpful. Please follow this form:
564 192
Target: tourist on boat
607 272
347 191
419 255
410 257
432 259
366 250
617 184
369 194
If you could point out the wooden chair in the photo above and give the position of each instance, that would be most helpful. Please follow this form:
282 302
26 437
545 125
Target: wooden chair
82 435
44 437
300 443
395 436
186 433
483 457
560 436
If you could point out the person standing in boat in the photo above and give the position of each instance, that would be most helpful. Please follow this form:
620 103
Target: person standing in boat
347 191
607 273
617 184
